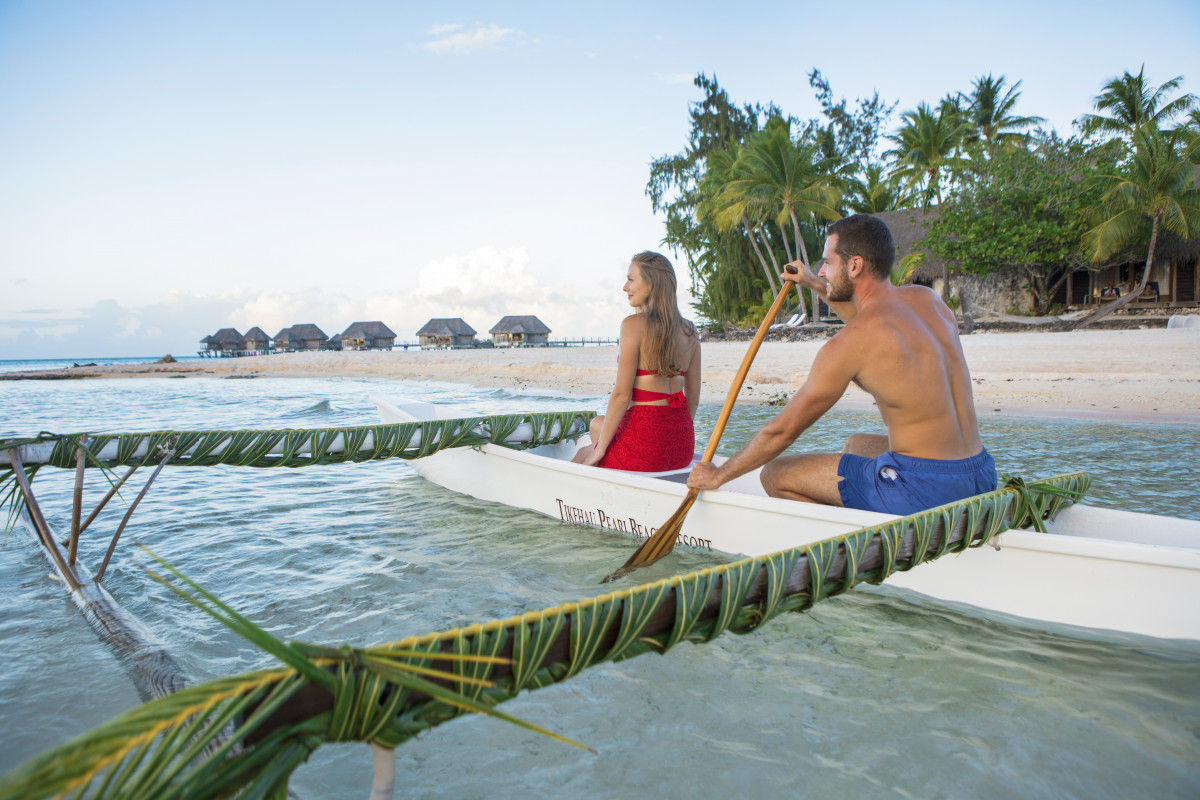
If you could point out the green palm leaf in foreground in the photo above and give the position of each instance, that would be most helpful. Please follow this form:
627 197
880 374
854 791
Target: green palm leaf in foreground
293 448
247 733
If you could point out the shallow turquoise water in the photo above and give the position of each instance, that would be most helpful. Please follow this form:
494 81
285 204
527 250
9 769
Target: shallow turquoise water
870 695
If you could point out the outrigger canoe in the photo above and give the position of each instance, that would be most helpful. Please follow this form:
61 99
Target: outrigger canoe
1094 568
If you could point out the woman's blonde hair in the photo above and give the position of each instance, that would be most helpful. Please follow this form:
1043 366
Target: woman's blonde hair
663 321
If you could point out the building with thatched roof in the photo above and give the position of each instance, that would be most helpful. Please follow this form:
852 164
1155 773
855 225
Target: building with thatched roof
368 336
256 340
210 345
519 331
228 341
334 343
283 342
308 336
1174 280
446 333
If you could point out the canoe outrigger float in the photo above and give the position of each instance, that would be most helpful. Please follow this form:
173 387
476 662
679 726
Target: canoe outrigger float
1075 574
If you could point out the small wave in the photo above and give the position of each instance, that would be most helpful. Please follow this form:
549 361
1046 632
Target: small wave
323 408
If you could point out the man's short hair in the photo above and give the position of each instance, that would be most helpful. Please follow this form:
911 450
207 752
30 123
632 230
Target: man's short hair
866 236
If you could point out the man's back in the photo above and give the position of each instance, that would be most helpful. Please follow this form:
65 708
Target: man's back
911 361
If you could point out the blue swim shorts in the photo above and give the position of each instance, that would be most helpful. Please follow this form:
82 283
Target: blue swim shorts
896 484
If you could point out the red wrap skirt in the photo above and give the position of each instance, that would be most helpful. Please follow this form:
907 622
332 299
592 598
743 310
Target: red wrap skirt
652 439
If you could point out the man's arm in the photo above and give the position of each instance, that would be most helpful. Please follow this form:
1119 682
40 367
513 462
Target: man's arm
805 279
832 370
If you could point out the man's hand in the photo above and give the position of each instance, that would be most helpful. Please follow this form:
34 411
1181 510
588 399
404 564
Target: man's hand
802 276
704 476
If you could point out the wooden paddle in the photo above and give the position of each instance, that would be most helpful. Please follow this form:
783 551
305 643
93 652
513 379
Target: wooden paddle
663 540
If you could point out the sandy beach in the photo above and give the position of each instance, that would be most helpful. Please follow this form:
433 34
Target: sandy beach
1130 374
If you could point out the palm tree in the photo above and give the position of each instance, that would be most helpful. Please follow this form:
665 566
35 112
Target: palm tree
727 208
875 192
1129 104
989 108
928 149
1157 183
789 181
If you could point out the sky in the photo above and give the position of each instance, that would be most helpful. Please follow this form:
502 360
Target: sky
169 169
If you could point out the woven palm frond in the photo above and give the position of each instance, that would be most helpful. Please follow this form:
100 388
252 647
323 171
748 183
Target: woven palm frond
277 718
288 447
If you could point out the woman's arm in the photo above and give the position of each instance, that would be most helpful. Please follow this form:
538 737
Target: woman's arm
691 381
632 331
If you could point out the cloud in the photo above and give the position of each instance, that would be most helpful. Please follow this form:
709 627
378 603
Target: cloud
455 38
675 78
480 286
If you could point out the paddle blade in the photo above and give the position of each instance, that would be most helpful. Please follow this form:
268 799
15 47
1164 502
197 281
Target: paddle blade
658 545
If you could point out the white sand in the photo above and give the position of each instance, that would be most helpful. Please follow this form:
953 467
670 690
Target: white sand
1144 374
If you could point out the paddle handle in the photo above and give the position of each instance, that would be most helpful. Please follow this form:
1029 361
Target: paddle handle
743 370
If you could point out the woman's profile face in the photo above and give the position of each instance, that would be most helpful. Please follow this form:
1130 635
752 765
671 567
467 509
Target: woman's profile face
636 287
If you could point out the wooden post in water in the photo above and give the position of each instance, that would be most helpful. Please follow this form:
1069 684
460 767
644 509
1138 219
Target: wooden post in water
77 504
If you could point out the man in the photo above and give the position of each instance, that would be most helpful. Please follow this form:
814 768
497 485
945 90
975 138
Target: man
900 344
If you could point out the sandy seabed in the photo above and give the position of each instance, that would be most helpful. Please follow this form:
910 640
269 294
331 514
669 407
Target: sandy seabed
1132 374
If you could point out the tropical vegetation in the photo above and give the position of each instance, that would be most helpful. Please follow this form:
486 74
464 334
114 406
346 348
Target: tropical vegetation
756 187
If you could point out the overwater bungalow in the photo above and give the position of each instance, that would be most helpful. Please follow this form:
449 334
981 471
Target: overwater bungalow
228 342
284 342
209 346
256 341
334 343
446 333
368 336
308 336
520 331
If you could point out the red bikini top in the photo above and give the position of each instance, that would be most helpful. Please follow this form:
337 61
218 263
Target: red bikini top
647 396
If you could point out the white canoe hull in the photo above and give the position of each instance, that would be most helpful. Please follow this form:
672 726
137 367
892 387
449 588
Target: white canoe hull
1095 568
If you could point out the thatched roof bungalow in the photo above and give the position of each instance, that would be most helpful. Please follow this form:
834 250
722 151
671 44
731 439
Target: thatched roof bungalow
284 342
368 336
209 343
228 340
256 340
334 343
308 336
446 332
1175 275
519 331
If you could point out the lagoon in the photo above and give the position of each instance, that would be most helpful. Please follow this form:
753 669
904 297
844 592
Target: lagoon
873 694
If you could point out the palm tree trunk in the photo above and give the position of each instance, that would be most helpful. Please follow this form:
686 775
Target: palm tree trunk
770 249
812 293
1108 308
758 252
937 187
787 250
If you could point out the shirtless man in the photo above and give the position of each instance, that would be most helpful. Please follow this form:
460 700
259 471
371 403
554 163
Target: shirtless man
900 344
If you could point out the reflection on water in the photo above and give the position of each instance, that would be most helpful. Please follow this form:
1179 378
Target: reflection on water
871 695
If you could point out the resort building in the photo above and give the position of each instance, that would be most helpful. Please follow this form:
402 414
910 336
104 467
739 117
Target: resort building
307 336
284 342
524 331
334 343
256 341
227 342
210 346
446 333
1173 282
368 336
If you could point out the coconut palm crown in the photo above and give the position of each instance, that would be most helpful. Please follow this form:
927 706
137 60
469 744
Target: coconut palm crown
1129 103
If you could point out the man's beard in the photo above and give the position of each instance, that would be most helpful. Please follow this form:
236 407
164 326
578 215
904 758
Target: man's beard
840 290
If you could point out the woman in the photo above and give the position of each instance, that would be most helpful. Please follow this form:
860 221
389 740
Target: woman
648 424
